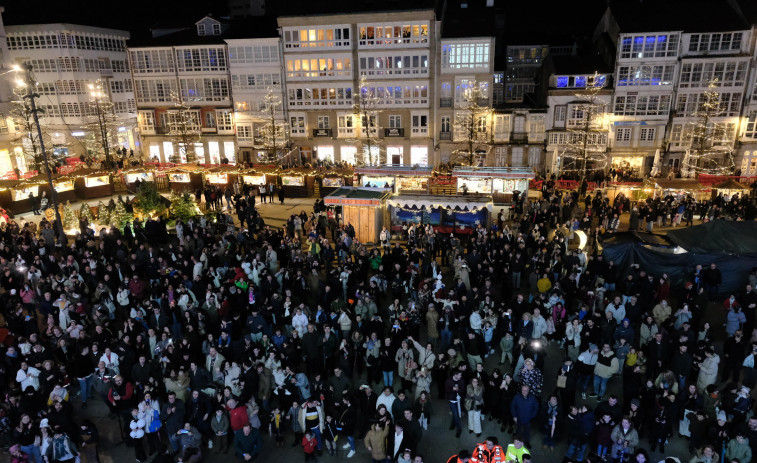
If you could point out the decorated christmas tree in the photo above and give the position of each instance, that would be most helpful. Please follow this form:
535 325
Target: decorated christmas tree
183 206
148 201
103 214
119 217
70 220
86 213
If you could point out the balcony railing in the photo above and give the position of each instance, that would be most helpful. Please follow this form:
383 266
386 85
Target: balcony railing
445 102
519 137
162 130
321 132
482 101
445 136
394 132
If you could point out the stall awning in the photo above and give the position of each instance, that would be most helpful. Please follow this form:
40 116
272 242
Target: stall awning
493 172
353 196
461 203
394 171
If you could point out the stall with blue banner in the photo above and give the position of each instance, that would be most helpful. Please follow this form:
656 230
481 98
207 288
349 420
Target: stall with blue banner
460 214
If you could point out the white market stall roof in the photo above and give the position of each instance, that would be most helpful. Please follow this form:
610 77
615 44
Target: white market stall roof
407 171
493 172
461 203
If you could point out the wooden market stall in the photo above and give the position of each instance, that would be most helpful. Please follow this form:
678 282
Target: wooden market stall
729 188
92 183
364 208
185 178
678 187
502 183
134 174
446 214
298 182
9 194
223 176
398 178
335 178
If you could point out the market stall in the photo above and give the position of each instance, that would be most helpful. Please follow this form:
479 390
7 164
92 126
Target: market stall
502 183
14 196
334 179
223 176
364 208
446 214
399 179
92 183
184 178
131 176
678 188
729 188
298 182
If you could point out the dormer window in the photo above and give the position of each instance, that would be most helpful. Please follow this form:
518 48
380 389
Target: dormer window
216 29
201 29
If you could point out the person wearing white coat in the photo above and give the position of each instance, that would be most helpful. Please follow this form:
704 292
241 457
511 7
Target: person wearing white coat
149 411
540 325
573 338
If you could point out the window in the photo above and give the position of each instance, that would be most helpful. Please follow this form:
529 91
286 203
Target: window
201 29
652 46
420 124
304 95
297 125
516 156
501 127
623 135
560 115
751 126
465 56
319 67
331 36
201 59
257 54
534 156
632 105
729 41
577 115
536 128
395 122
389 34
216 29
645 75
647 134
244 133
398 95
323 122
152 61
392 65
225 121
346 124
419 155
444 126
261 81
154 90
204 89
147 121
690 103
727 73
210 119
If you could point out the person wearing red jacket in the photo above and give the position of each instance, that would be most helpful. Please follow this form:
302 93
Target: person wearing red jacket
237 415
488 451
309 444
121 396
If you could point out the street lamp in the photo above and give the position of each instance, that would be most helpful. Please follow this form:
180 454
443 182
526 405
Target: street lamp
96 91
29 84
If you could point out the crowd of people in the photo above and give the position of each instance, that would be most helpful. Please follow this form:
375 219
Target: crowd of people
203 340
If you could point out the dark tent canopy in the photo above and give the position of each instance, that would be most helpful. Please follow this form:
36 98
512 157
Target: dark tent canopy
732 246
718 236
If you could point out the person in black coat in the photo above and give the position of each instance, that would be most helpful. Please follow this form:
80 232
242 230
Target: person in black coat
346 423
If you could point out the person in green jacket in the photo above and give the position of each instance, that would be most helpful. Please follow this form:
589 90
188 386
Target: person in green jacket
738 448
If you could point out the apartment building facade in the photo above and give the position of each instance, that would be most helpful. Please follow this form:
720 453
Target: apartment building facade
256 88
188 68
747 147
68 59
382 62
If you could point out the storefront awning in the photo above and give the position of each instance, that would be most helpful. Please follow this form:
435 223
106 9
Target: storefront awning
394 171
493 172
351 196
461 203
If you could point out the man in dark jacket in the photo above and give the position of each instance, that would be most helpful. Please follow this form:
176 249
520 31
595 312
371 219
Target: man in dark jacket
346 422
524 408
247 443
172 416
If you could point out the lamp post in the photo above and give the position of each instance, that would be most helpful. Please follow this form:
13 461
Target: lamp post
30 95
96 91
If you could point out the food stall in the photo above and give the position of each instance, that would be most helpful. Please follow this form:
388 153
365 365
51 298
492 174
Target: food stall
91 183
399 179
14 195
223 176
298 182
729 188
364 208
132 175
334 179
184 178
446 214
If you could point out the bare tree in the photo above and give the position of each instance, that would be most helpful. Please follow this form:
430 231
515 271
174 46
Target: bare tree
103 123
585 150
471 126
274 131
184 128
366 110
710 150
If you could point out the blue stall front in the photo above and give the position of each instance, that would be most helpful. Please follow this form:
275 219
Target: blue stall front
459 214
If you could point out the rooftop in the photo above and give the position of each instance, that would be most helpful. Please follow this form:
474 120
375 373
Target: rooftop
677 15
